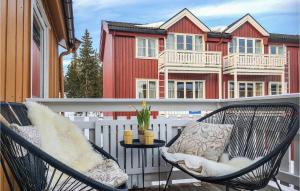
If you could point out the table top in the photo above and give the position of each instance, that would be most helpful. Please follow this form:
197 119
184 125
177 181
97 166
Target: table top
137 144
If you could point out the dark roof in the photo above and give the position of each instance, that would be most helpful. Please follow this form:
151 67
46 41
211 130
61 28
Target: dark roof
284 38
132 27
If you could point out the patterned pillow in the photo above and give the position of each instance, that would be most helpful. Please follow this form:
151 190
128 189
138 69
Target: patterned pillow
203 139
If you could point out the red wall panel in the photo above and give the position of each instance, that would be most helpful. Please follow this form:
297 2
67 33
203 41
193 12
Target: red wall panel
185 25
128 68
294 54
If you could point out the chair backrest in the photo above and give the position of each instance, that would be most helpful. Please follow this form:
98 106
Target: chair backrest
15 113
257 129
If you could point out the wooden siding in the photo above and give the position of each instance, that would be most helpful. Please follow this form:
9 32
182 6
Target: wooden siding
128 68
294 61
15 52
247 30
185 25
15 57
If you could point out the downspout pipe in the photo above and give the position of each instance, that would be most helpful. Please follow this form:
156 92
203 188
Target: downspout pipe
61 73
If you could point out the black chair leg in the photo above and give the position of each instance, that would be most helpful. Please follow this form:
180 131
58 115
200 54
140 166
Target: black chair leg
277 183
167 182
227 188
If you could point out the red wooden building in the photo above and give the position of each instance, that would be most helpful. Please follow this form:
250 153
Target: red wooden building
183 58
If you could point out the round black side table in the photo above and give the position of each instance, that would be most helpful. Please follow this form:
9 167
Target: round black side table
138 145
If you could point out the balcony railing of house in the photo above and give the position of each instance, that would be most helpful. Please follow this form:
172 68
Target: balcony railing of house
262 62
108 132
183 58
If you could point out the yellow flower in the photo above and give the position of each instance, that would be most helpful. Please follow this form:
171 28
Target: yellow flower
143 103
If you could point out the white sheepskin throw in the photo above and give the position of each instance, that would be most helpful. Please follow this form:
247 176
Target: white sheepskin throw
62 139
203 167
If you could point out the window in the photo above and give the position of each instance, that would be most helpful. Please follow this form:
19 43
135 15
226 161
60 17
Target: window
277 49
250 46
171 89
180 89
246 89
258 47
241 45
147 47
186 89
39 52
142 47
184 42
189 90
146 89
275 88
242 90
170 42
198 89
245 45
198 43
259 89
180 42
233 46
189 42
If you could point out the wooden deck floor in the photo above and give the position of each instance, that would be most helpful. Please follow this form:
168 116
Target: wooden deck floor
191 187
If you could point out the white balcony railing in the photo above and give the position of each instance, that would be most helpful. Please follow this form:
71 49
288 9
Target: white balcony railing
107 132
254 62
181 59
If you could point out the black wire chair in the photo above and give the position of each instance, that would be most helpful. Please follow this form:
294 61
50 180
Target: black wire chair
261 130
34 169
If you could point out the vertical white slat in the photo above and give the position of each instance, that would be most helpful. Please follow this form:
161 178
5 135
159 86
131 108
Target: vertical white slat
98 139
113 143
285 165
106 137
149 155
120 148
156 126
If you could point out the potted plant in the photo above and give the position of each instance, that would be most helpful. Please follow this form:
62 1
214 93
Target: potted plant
143 118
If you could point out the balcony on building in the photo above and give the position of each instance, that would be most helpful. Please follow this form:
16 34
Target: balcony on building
185 53
247 56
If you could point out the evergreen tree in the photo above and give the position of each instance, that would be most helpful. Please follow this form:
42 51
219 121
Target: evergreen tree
89 68
72 85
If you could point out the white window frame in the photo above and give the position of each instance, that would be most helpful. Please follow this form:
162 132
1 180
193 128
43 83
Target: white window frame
277 45
39 13
184 41
283 89
146 57
184 85
147 80
246 91
238 45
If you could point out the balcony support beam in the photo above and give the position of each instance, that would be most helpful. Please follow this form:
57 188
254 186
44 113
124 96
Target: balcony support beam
220 84
282 83
166 80
235 84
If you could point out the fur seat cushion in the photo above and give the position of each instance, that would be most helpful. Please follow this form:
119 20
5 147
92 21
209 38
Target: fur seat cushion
201 166
62 139
203 139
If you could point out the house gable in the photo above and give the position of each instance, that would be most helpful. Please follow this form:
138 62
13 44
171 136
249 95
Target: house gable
244 20
247 30
185 25
185 15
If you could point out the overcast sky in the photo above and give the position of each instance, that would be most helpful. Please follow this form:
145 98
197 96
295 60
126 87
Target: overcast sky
277 16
